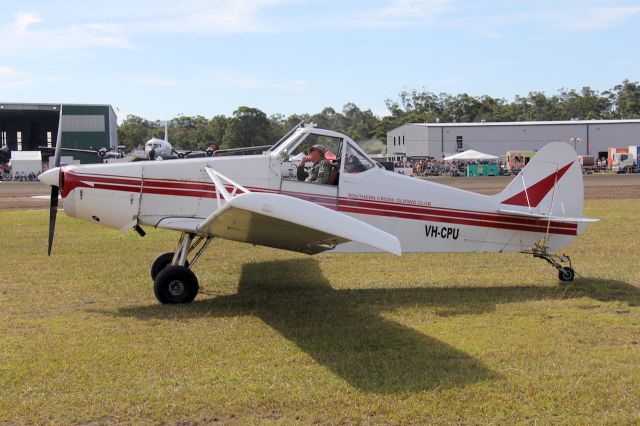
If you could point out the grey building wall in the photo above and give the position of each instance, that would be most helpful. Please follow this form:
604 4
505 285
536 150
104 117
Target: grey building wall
83 126
441 139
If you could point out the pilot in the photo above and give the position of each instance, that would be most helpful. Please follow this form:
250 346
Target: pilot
321 169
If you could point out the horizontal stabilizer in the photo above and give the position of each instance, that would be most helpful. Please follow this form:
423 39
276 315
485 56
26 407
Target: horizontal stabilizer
549 217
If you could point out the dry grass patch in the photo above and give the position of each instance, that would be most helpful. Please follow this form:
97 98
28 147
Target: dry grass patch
281 337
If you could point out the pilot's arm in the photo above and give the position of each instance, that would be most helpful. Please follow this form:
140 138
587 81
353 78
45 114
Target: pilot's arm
301 173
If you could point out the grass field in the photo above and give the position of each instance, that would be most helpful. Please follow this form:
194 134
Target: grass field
276 337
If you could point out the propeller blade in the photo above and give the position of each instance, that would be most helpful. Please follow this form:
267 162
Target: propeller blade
53 209
58 153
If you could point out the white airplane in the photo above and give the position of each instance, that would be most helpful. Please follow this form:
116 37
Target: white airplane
364 208
161 149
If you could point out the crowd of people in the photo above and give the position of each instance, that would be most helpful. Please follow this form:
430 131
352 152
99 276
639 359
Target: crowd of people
427 167
7 174
432 167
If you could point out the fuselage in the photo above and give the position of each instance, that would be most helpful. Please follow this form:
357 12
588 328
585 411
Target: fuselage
425 216
158 149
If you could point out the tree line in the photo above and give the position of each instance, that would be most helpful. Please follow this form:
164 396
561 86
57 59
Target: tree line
252 127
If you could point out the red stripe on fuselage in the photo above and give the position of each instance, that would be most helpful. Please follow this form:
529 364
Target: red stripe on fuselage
450 213
371 208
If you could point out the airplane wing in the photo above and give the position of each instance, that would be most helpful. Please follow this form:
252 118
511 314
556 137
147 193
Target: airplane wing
105 154
84 151
281 221
288 223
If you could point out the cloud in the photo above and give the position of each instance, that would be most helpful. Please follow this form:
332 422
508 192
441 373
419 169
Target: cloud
22 36
250 83
283 16
491 34
12 78
158 82
23 20
400 13
599 18
227 17
6 73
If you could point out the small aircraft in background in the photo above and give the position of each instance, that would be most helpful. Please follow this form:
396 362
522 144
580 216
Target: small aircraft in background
154 149
361 208
161 149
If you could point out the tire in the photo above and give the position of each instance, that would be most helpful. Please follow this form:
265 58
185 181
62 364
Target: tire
566 274
161 262
176 284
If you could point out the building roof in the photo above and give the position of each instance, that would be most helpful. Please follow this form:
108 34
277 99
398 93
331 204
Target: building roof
45 106
26 155
522 123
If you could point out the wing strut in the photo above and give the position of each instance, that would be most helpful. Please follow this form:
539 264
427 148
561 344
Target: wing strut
218 179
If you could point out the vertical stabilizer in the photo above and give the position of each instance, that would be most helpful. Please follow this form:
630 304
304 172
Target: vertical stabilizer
551 184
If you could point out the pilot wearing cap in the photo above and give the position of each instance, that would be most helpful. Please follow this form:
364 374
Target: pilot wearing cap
321 169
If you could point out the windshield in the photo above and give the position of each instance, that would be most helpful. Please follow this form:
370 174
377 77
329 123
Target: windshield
331 145
355 161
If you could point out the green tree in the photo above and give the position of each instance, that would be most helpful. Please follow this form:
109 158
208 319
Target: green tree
134 131
216 129
627 100
359 125
247 127
584 105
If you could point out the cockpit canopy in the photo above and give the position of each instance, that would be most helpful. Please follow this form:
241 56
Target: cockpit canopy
339 148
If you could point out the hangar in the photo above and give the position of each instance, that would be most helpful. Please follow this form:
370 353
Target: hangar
25 126
438 140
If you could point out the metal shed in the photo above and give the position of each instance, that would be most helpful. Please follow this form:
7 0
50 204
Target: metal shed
26 126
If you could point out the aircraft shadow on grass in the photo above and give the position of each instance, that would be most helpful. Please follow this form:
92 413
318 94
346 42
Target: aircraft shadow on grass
344 331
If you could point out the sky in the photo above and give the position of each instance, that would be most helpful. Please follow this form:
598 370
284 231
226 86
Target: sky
161 59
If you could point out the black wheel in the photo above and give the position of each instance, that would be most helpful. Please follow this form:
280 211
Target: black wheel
175 284
566 274
161 262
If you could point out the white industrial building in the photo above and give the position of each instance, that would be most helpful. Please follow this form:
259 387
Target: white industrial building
438 140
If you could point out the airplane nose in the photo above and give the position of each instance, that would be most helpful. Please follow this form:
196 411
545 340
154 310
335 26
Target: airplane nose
50 177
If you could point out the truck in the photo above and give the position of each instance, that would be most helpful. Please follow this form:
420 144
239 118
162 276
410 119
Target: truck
588 163
516 160
624 160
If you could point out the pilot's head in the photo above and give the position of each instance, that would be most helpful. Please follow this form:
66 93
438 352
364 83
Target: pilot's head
316 152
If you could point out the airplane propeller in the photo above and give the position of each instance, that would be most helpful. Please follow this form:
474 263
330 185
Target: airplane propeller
55 190
181 154
102 152
5 153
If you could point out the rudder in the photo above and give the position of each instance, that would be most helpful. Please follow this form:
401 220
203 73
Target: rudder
550 184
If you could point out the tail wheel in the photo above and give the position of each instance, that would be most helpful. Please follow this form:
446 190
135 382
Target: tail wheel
175 284
566 274
161 262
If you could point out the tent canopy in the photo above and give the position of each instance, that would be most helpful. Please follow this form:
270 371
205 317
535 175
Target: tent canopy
328 155
471 154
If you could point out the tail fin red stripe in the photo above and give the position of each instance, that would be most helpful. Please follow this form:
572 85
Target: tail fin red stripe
532 196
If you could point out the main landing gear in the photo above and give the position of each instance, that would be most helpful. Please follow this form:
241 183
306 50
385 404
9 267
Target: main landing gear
565 273
173 280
